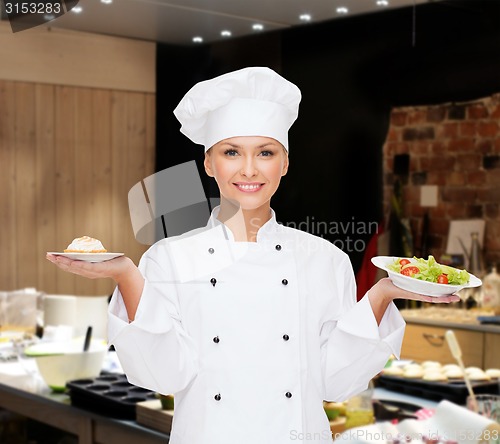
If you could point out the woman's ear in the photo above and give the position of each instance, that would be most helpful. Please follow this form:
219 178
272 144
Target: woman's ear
285 163
207 163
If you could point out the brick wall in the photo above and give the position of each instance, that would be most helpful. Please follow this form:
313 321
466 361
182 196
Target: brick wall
457 148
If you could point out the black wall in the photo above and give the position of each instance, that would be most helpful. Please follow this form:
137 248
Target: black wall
351 72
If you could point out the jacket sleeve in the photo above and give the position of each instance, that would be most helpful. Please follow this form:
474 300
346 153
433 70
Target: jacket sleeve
154 350
353 347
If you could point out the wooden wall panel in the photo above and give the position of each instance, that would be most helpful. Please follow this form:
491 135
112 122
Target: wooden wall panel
136 123
150 131
83 172
46 181
64 57
8 253
25 181
101 173
119 179
69 156
64 218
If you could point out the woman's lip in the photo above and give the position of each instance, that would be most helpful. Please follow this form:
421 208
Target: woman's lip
248 187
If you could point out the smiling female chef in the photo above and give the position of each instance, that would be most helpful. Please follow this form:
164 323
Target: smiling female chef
250 324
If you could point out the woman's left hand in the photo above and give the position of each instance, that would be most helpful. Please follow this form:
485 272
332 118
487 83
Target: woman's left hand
384 292
389 291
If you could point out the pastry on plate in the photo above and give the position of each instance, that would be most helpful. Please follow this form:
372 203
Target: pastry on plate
85 244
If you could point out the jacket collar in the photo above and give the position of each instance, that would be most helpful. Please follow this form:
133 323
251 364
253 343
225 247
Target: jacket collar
265 232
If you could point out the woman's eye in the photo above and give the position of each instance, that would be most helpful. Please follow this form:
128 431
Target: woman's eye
266 153
230 152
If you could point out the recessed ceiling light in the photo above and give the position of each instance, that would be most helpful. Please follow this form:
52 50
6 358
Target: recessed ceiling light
77 9
257 26
305 17
49 17
107 2
382 3
197 39
342 10
225 33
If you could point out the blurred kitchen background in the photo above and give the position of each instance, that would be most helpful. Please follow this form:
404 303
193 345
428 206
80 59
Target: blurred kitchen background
395 99
396 150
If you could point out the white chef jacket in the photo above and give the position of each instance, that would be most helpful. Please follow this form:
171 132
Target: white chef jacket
251 337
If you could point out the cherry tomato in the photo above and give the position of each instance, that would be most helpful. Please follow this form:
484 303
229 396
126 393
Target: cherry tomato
442 279
403 262
410 271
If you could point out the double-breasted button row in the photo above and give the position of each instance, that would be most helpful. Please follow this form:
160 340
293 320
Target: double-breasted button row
213 281
218 397
217 340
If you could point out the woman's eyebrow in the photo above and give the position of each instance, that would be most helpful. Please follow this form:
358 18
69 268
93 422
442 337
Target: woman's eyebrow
264 145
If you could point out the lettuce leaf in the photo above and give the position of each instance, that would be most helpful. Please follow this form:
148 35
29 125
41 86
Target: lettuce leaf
429 270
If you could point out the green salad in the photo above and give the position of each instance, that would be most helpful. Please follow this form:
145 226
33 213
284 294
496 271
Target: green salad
429 270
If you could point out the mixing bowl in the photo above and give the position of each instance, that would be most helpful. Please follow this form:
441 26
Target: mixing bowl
60 362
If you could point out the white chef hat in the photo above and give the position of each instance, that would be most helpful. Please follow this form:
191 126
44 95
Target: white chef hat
253 101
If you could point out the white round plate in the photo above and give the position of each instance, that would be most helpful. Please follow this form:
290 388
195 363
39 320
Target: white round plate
88 257
418 286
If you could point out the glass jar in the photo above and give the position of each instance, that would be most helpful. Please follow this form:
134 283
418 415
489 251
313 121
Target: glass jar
359 409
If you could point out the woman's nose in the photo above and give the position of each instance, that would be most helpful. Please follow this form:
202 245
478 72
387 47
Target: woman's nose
249 167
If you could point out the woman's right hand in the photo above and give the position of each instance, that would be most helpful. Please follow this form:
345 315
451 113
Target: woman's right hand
121 269
115 268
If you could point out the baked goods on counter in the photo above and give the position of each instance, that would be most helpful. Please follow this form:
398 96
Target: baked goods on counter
85 244
454 373
435 371
431 380
393 371
435 376
493 373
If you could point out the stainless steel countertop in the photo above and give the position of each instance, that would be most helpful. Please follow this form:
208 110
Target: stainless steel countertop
449 318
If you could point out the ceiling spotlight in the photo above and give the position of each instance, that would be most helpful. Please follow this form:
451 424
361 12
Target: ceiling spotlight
107 2
342 10
77 9
257 27
197 39
225 33
49 17
305 17
382 3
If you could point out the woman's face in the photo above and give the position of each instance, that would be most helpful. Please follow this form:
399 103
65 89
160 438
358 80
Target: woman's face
247 169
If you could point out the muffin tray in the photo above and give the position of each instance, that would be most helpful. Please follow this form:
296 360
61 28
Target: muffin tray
108 394
454 391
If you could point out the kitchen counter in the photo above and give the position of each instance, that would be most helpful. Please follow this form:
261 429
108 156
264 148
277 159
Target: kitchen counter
22 391
26 394
450 318
425 336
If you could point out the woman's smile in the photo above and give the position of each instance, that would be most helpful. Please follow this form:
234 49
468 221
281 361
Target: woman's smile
249 187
